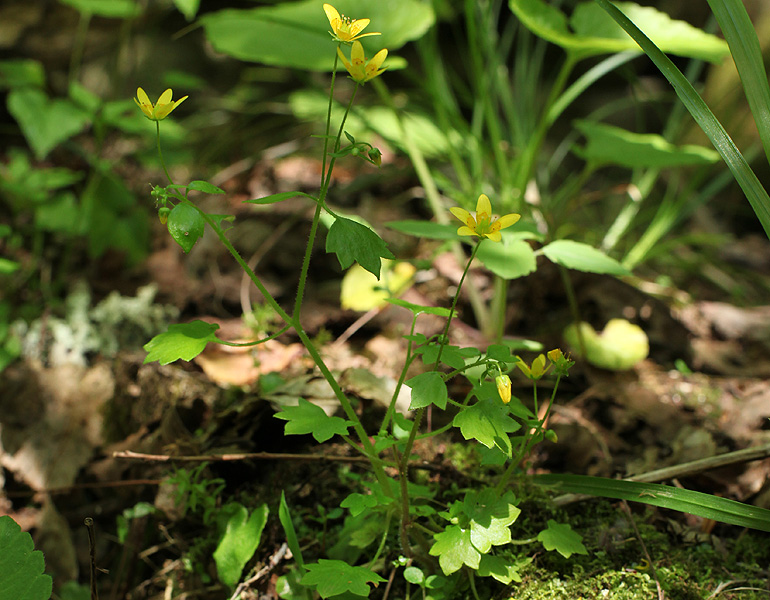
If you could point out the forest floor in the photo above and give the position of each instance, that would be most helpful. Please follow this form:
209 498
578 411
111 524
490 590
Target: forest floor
82 401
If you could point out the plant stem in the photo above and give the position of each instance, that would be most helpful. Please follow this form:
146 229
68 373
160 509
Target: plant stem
403 467
326 181
160 153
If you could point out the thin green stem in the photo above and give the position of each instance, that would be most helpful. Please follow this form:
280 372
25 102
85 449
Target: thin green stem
160 153
403 468
432 194
368 447
573 305
79 44
326 181
329 117
527 161
407 362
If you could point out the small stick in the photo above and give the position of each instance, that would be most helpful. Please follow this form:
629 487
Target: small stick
274 560
229 457
89 523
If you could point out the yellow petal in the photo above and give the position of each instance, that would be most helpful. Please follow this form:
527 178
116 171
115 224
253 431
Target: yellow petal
143 97
483 205
466 231
344 60
538 366
165 97
378 59
358 25
460 213
357 53
494 236
507 220
332 15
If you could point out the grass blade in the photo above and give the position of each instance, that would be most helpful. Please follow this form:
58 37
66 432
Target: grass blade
755 193
665 496
744 46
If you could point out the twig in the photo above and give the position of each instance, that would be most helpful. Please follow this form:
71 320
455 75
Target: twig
272 563
234 457
89 523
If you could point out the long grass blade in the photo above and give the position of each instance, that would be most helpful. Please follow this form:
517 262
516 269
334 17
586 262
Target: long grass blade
744 46
665 496
755 193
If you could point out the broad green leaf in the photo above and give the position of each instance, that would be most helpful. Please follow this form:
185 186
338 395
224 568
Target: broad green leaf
84 98
296 34
205 187
428 388
582 257
499 568
273 198
8 266
665 496
189 8
751 186
21 72
240 541
333 577
454 548
116 9
490 518
288 586
182 341
508 259
45 123
488 422
618 348
112 219
501 353
362 291
418 309
588 32
354 242
61 214
307 417
614 145
357 503
288 528
186 225
560 537
452 356
414 575
424 229
21 566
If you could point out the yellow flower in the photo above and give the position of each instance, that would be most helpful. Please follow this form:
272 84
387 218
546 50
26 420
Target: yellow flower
161 109
503 383
483 225
359 68
538 368
344 29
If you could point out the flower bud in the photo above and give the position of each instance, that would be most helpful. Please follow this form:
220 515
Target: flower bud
503 383
163 214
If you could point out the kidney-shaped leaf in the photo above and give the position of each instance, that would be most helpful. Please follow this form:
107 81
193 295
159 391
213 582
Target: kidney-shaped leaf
296 34
589 32
582 257
610 144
